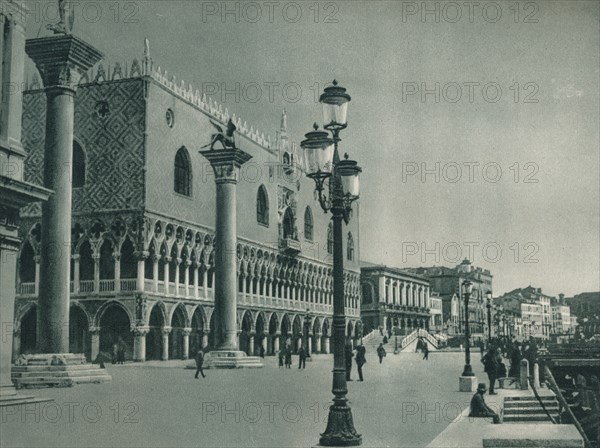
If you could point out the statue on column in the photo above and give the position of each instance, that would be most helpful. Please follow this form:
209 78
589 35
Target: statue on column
226 138
66 11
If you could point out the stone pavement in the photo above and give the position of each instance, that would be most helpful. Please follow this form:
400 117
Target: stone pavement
404 402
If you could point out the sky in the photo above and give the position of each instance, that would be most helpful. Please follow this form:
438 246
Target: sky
476 123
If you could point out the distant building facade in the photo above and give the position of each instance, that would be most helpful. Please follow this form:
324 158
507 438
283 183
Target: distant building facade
393 298
447 282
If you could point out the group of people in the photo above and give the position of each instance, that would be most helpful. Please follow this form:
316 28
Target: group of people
118 352
285 357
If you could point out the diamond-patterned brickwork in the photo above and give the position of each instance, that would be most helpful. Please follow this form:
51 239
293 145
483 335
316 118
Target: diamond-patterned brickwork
112 141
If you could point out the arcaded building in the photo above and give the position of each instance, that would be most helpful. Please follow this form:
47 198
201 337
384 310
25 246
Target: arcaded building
143 225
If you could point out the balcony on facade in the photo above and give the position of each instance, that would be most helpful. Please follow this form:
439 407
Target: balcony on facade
286 298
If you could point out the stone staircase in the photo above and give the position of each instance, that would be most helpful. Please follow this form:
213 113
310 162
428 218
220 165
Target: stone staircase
409 342
17 400
36 371
527 409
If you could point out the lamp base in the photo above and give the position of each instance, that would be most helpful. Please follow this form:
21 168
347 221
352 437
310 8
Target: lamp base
340 428
467 384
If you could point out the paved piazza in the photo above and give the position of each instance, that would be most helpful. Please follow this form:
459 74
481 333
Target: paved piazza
403 402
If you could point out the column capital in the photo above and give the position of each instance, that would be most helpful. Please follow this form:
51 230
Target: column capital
156 257
75 257
141 255
187 331
177 261
166 330
62 59
37 258
117 256
226 163
141 330
94 330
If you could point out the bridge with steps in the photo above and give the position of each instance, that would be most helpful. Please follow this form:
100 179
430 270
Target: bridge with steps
37 371
406 343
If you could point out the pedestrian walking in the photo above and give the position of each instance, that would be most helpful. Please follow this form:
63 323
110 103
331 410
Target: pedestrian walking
490 363
425 351
381 352
348 356
115 353
288 357
121 352
301 358
281 356
361 360
199 364
262 352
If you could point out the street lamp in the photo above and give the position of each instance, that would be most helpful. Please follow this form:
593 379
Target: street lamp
323 163
488 296
467 288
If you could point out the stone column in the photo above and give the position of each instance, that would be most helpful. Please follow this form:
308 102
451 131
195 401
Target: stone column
263 342
75 273
165 342
96 258
117 257
251 343
155 259
95 333
326 345
176 282
61 60
141 270
205 338
186 278
37 273
166 275
186 342
276 342
226 164
196 279
16 348
309 343
139 343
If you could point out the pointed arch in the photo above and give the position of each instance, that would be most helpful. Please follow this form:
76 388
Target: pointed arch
308 224
183 172
262 206
78 166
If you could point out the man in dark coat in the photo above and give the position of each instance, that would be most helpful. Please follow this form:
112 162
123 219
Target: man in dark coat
478 406
515 361
380 352
360 360
302 358
425 349
199 363
348 355
490 363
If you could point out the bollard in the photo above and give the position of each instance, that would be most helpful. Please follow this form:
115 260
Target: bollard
536 375
524 374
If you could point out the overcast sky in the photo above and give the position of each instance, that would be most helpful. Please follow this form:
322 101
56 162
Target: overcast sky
513 103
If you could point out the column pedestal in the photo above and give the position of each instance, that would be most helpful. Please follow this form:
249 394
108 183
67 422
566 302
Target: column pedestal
95 337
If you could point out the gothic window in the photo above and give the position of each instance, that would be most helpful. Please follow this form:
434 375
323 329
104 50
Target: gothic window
289 228
308 224
183 173
330 239
262 206
27 264
350 248
78 174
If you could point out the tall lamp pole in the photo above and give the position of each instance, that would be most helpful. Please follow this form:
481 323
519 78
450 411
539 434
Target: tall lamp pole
323 164
488 296
467 288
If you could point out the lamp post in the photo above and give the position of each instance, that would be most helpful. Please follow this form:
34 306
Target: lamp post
467 288
323 163
488 296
